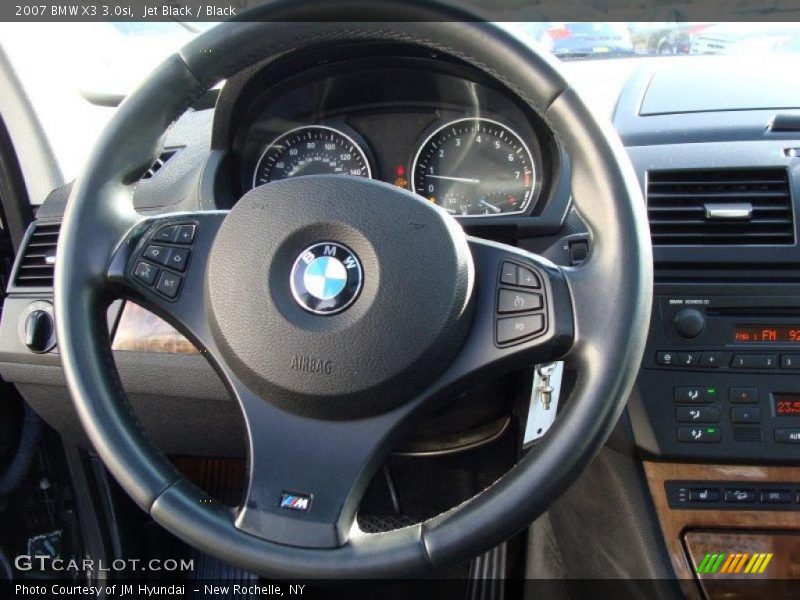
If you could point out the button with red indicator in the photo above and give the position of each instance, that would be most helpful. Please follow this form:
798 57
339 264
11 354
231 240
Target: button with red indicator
743 395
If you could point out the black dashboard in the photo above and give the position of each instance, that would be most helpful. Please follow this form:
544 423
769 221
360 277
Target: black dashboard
387 111
421 122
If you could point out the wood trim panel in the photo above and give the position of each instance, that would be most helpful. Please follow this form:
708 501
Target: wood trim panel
675 522
139 330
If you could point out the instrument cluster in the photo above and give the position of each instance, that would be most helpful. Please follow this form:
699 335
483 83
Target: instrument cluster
462 144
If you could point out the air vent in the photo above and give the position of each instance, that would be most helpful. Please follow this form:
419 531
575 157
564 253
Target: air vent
37 264
720 207
160 162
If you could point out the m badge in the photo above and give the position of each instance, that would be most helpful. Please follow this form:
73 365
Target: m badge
295 501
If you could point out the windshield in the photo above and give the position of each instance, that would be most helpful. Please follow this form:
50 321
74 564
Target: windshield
598 40
74 91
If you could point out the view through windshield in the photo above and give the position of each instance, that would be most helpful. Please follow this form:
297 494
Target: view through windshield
75 89
582 40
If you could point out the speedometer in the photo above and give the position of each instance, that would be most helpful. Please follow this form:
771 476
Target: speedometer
311 150
475 167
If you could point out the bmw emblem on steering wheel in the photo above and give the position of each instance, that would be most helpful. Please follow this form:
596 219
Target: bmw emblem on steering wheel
326 278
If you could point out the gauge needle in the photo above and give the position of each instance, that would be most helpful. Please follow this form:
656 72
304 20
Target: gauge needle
461 179
490 207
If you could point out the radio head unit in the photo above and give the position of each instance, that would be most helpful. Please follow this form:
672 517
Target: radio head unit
720 379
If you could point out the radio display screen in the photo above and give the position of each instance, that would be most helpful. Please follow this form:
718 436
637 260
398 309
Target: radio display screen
759 334
787 405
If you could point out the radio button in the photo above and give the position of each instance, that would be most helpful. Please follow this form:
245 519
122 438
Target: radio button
743 395
745 414
754 361
695 394
711 360
787 436
697 414
790 361
689 359
666 359
689 323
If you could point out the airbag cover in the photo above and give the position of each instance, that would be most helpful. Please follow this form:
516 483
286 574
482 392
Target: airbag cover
402 330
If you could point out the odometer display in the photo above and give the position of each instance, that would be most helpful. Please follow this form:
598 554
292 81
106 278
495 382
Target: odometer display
311 150
475 167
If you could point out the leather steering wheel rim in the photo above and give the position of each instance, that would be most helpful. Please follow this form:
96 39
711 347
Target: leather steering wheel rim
610 294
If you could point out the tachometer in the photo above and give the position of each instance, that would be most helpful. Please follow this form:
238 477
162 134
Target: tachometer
311 150
475 167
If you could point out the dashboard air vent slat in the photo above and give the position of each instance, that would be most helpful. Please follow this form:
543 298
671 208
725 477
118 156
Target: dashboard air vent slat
37 263
720 207
160 162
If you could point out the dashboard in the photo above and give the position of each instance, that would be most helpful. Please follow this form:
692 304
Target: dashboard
718 384
435 127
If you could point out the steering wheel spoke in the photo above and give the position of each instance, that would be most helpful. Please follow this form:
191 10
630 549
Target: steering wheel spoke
522 315
161 264
307 476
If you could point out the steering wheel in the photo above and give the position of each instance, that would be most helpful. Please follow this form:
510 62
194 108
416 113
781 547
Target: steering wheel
339 310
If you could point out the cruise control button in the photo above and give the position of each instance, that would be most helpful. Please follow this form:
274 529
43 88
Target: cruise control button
698 435
787 436
740 496
703 494
743 395
178 257
167 234
185 234
697 414
512 301
754 361
695 394
776 496
169 284
745 414
666 358
516 328
528 278
145 272
688 359
711 360
159 254
508 273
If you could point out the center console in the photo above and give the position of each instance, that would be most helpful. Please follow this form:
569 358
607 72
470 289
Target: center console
720 379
